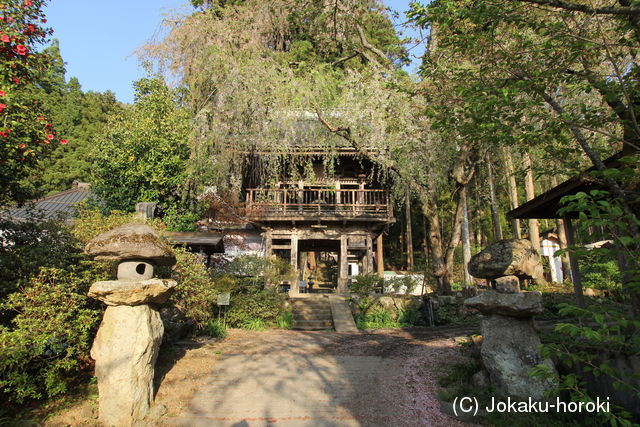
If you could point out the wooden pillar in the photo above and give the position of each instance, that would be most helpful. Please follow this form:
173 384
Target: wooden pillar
312 260
295 286
294 251
268 239
344 265
380 255
575 270
369 255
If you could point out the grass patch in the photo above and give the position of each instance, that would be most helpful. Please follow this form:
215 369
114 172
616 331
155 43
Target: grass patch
254 325
216 329
285 320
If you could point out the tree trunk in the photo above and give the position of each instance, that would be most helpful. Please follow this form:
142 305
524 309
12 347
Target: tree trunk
513 192
562 237
466 241
409 237
456 229
495 214
435 239
575 269
534 230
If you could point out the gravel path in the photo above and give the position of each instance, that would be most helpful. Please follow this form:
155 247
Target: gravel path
276 377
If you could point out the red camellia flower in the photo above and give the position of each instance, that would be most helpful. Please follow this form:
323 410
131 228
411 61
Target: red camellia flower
3 93
15 80
2 107
21 50
64 141
5 38
50 136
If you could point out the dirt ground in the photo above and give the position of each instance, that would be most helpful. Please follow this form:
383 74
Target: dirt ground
383 377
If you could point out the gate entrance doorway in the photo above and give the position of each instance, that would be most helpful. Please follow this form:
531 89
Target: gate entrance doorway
319 265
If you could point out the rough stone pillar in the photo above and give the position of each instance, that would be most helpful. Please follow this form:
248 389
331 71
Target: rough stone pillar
510 342
125 351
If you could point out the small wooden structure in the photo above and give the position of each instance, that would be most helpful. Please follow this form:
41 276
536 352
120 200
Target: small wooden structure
203 243
547 205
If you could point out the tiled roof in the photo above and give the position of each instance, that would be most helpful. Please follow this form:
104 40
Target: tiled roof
60 205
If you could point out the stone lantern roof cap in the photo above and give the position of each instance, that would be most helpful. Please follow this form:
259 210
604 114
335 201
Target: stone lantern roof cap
131 241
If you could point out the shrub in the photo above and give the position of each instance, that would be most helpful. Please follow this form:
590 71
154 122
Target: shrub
265 305
599 272
180 221
408 317
26 246
195 295
401 284
378 318
90 222
262 270
216 328
46 346
366 284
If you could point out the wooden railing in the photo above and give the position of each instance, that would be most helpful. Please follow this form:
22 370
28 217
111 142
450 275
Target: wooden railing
273 203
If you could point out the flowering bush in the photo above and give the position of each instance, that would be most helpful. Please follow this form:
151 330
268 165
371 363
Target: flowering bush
25 133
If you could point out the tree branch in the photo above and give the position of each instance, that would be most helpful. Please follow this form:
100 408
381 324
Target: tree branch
576 7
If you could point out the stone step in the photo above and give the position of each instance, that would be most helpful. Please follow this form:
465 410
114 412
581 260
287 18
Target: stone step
310 304
323 309
311 325
312 316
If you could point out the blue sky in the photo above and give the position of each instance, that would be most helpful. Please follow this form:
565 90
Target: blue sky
98 39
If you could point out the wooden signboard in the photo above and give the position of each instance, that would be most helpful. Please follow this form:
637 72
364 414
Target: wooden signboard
223 299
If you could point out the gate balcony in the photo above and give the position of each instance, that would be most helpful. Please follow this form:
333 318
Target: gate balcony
292 204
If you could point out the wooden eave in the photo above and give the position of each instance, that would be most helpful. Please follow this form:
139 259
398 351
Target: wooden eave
547 204
210 240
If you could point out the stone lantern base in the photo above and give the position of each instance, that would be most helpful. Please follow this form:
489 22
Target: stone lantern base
125 351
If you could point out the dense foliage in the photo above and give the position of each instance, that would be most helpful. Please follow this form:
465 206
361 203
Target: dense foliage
255 302
79 116
196 294
142 156
45 348
26 134
27 246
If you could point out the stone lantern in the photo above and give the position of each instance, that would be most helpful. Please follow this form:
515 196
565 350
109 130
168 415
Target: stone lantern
127 343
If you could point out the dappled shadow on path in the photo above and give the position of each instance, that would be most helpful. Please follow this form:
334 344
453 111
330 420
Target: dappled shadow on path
384 377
